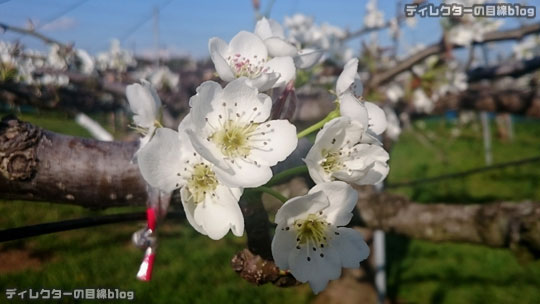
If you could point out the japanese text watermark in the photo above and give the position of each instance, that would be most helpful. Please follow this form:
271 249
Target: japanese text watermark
477 10
76 294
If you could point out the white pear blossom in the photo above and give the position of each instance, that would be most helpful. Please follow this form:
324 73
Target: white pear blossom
310 241
273 36
169 162
343 151
86 62
54 59
247 56
145 105
374 17
349 91
116 58
230 128
160 77
422 103
309 37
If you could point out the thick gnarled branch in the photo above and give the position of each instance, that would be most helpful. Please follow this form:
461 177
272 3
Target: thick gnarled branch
39 165
502 224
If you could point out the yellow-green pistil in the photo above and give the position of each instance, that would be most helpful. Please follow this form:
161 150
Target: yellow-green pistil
331 161
203 181
311 230
233 138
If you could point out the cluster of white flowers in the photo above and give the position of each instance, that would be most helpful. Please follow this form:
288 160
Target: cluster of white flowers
303 32
116 58
528 48
160 77
227 143
471 29
34 68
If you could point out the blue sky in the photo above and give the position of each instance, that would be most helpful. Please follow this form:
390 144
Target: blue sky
185 26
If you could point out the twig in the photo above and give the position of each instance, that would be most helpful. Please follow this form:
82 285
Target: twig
20 30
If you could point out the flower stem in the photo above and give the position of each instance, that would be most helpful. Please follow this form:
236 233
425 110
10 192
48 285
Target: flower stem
335 113
272 192
286 173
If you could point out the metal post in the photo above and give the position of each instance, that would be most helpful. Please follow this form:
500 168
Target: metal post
486 132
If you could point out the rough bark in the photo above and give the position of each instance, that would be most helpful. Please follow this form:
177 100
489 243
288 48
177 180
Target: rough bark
501 224
44 166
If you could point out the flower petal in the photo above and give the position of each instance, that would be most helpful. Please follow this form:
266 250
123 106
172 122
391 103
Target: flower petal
263 29
189 210
317 268
285 67
208 151
160 160
350 106
377 118
346 78
203 104
218 216
351 247
283 242
218 52
264 82
301 206
279 47
247 45
144 103
243 174
246 101
281 139
342 199
307 58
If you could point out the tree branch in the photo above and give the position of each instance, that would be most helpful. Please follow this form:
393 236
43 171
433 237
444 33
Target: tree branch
504 224
20 30
36 164
381 77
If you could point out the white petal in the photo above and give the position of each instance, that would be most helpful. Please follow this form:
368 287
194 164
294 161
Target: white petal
350 106
263 29
279 47
376 175
316 172
203 104
250 105
283 242
264 82
281 139
144 103
218 52
247 45
342 198
301 206
346 78
208 151
307 58
244 174
160 160
377 118
308 266
218 216
189 210
351 247
285 67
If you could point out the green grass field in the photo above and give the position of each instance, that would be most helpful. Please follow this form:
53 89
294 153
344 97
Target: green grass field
191 268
